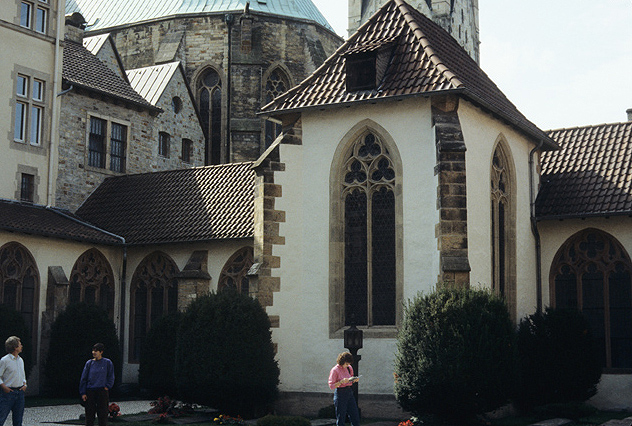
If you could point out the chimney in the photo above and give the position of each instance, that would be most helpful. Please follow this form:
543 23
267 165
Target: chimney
75 25
629 111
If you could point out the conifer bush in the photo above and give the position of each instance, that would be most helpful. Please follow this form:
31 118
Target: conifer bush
12 324
225 356
73 334
455 355
158 357
558 358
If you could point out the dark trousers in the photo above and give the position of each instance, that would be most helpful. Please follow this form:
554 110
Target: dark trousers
345 404
97 403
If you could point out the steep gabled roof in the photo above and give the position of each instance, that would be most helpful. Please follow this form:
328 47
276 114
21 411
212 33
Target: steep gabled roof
44 221
95 43
150 82
102 14
198 204
82 69
590 175
425 60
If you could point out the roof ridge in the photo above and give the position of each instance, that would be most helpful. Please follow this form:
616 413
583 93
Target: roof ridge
588 126
407 13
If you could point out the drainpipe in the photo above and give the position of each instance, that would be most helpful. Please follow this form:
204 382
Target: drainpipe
54 133
229 19
534 230
123 268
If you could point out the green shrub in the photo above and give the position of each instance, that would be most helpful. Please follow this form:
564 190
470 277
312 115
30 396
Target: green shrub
225 356
455 355
73 334
558 360
12 324
158 357
271 420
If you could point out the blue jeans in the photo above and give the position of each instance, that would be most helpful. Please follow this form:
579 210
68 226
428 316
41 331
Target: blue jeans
14 402
345 404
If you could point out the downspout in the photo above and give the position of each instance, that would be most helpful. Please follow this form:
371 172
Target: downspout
123 268
229 19
534 230
54 134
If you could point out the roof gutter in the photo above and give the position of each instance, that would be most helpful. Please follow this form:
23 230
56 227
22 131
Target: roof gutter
534 228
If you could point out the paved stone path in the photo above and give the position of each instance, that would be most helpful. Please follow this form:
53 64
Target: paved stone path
58 413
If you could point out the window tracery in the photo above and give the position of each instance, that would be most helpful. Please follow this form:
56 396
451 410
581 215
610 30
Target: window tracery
235 272
92 281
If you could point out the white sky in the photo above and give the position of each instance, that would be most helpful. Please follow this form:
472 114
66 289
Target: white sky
563 63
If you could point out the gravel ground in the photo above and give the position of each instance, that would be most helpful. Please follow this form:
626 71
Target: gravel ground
51 414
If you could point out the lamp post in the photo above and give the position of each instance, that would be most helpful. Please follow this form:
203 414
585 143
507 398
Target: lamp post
353 342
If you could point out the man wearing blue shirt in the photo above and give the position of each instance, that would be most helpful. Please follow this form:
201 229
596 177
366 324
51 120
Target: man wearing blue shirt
12 382
97 379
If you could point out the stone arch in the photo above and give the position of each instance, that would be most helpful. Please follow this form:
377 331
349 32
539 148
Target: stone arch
378 186
153 294
503 195
235 271
211 99
92 281
20 284
591 271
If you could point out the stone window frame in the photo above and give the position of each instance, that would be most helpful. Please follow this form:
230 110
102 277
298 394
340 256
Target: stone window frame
271 126
576 260
36 8
150 274
30 103
11 269
336 232
199 86
164 144
109 120
92 269
187 150
508 198
236 269
29 170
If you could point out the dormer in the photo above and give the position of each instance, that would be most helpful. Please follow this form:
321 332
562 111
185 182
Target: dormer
366 64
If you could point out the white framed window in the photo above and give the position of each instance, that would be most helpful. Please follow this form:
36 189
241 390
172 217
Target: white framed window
29 110
41 20
26 9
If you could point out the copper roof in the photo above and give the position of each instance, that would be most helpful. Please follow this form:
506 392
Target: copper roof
590 175
82 69
425 60
198 204
35 219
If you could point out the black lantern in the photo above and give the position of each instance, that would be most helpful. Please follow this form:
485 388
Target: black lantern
353 342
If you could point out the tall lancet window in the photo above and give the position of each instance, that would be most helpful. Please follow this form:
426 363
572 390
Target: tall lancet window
276 84
369 234
503 228
210 102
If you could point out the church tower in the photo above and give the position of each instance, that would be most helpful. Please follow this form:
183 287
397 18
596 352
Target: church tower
458 17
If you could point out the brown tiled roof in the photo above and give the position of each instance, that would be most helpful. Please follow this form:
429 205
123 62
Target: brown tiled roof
198 204
426 60
34 219
591 175
82 69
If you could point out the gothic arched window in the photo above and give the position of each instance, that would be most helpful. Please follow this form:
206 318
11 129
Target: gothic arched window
154 293
368 198
234 273
503 228
19 282
591 272
210 102
277 83
92 281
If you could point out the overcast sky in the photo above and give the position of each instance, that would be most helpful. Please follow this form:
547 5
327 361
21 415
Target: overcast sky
563 63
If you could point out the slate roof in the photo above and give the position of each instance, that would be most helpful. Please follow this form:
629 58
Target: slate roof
591 175
82 69
114 13
426 60
198 204
150 82
44 221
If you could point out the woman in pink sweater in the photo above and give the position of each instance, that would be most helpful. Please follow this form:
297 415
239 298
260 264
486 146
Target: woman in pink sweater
340 380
